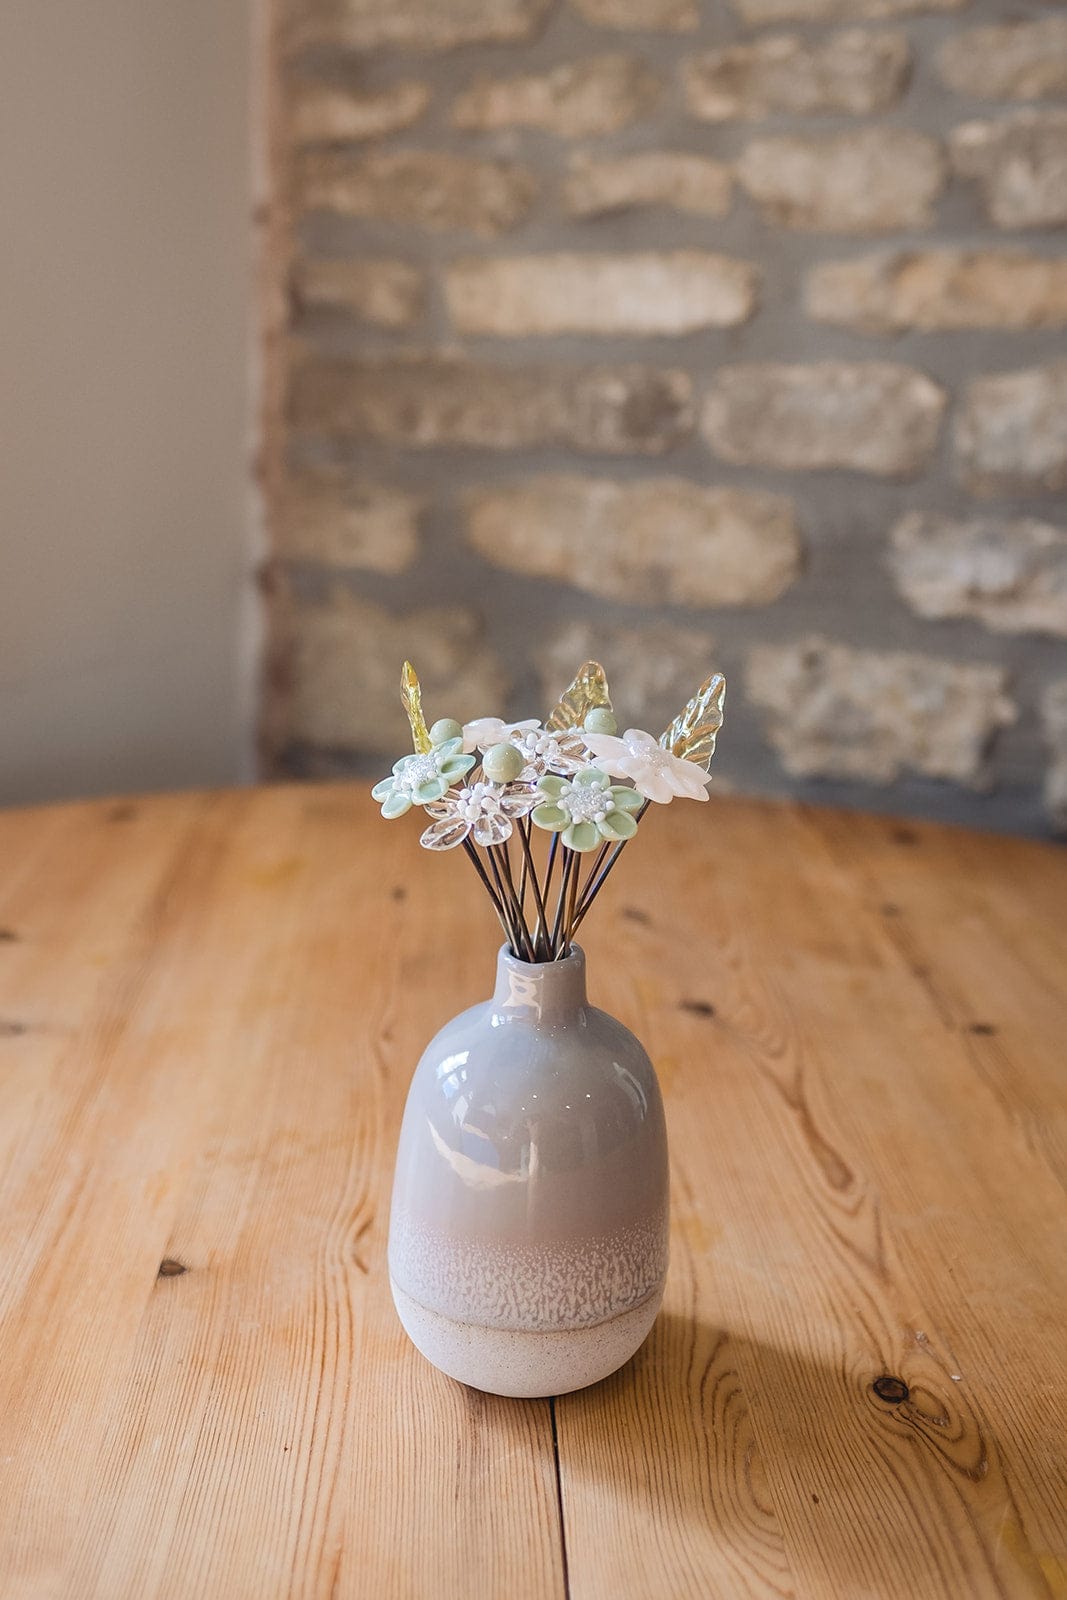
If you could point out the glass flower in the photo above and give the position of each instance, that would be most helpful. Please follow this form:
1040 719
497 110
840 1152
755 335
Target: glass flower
562 753
484 732
485 811
418 779
587 811
654 772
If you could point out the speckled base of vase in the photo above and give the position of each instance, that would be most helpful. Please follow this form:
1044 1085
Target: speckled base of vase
526 1366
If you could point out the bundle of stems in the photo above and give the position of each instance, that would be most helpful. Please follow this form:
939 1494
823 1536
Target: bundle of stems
540 915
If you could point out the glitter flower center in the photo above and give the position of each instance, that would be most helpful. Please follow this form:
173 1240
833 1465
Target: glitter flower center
655 758
586 803
420 769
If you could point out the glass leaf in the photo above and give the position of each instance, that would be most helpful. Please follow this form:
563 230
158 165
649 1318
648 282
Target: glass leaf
691 736
411 695
589 690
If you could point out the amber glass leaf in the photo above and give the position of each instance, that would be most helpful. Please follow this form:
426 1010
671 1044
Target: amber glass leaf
589 689
691 736
411 695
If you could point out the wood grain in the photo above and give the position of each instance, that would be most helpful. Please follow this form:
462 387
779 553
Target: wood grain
210 1007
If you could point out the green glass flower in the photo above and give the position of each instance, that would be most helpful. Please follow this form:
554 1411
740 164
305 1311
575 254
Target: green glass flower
418 779
588 810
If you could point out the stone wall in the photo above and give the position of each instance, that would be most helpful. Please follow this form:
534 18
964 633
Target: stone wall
678 333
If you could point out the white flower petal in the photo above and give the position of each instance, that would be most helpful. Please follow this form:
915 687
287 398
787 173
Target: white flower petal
482 734
639 740
686 794
687 779
631 767
653 785
609 752
606 744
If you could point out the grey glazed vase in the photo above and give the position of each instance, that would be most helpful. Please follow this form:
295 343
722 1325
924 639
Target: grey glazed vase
528 1236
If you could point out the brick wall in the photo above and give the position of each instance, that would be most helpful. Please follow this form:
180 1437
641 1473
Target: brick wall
676 333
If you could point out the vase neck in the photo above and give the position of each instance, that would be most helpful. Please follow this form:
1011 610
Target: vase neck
544 993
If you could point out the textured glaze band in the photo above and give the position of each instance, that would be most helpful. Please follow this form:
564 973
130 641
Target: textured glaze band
562 1284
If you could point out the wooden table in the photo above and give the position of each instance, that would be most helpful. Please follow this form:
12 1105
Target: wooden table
210 1007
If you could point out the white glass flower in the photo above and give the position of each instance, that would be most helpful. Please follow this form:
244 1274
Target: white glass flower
484 732
483 811
654 772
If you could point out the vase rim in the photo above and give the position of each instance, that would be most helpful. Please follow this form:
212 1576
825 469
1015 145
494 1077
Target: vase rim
574 958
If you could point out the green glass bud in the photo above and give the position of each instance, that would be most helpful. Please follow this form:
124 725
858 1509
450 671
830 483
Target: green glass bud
447 728
600 720
502 764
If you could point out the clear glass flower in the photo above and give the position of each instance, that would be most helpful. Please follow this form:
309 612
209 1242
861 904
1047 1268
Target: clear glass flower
483 811
653 771
564 753
418 779
589 810
485 732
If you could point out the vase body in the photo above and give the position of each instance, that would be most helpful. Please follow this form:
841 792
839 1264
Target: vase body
528 1234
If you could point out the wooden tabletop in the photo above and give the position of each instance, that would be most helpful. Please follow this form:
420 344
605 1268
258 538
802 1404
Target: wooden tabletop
210 1007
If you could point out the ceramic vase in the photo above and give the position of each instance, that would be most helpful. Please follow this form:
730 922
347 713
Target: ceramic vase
528 1235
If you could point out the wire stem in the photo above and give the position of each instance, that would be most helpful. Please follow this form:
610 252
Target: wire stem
527 864
520 920
513 935
553 851
598 862
530 872
569 859
599 876
472 855
568 930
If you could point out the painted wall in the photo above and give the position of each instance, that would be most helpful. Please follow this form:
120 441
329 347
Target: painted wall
125 272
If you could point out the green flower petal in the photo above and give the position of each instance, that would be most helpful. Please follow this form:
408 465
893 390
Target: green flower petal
396 805
592 777
581 836
383 790
551 817
432 789
450 747
618 825
455 766
552 785
626 799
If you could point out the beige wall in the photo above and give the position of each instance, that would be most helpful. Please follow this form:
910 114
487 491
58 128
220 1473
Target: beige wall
124 313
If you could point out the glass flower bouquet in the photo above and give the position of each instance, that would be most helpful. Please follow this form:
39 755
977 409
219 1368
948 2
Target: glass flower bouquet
488 784
528 1232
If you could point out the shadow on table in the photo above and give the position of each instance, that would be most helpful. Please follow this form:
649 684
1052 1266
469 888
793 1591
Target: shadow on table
708 1445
